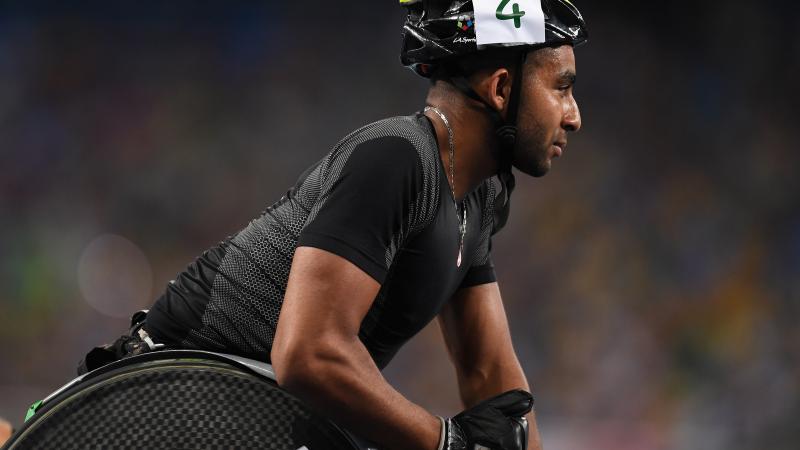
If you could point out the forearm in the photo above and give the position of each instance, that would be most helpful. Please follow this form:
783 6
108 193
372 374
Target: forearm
479 384
342 381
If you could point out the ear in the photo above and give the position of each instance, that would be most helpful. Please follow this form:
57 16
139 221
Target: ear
495 88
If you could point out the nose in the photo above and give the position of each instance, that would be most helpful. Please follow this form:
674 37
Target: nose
571 121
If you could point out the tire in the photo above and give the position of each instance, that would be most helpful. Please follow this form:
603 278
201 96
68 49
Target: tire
176 400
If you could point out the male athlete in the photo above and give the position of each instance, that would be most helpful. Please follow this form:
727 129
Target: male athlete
393 228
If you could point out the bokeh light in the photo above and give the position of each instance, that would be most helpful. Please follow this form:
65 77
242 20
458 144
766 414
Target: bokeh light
114 276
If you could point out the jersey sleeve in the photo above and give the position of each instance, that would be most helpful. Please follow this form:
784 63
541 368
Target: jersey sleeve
370 199
481 270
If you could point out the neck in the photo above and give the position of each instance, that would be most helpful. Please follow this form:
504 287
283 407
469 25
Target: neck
473 138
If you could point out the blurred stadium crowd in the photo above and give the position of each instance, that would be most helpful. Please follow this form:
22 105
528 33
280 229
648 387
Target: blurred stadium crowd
652 279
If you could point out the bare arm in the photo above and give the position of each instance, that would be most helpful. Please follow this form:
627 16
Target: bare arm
318 357
476 332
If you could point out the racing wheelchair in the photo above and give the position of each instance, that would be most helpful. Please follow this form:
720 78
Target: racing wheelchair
178 399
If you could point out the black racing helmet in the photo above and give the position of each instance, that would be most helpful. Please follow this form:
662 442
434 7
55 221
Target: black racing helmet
439 30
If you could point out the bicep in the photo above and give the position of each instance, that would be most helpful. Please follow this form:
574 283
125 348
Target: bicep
475 330
326 299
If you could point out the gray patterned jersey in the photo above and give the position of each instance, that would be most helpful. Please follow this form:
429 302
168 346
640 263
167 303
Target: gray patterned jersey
379 199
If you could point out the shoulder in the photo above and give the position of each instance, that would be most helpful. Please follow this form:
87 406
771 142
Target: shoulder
399 151
409 128
485 195
493 196
397 142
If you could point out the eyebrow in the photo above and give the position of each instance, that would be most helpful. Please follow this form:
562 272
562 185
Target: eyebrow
567 76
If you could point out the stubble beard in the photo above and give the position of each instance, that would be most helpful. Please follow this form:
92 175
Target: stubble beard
531 151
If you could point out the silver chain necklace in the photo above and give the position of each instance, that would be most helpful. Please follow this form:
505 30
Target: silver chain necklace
462 227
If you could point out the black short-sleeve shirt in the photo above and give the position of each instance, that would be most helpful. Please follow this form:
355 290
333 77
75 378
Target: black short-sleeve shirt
379 199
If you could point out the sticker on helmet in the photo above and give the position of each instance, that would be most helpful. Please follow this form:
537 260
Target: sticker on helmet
509 21
465 22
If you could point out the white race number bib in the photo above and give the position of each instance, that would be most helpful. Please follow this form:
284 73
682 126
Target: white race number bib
509 21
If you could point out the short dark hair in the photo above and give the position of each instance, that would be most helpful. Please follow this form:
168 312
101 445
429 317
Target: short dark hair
472 63
488 60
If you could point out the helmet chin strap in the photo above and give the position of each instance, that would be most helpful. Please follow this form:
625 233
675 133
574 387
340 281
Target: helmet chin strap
506 130
506 133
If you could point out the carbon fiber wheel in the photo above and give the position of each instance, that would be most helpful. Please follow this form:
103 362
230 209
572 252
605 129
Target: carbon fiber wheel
158 401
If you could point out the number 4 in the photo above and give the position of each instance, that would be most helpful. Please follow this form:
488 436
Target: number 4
516 15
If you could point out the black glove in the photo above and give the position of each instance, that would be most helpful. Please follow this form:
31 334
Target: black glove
496 423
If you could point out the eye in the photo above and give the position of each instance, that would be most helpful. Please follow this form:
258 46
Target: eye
565 83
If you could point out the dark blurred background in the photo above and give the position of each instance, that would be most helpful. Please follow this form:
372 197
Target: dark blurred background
652 279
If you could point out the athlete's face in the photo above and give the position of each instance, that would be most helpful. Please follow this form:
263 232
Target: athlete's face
547 109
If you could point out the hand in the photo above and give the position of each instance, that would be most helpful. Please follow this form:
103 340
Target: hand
496 423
